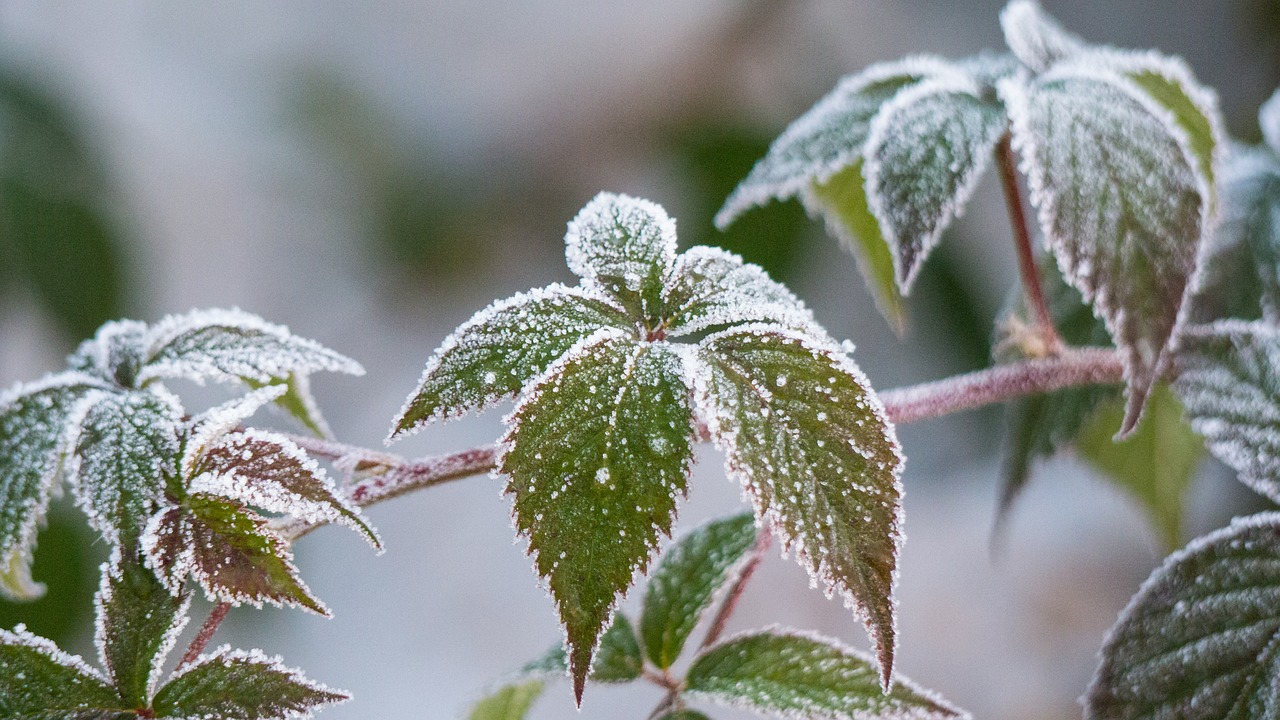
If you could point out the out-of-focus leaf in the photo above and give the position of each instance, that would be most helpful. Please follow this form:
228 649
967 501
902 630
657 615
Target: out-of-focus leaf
1037 39
508 702
67 565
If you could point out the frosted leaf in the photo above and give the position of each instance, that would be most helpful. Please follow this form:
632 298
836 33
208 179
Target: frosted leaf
138 623
592 489
245 685
710 287
210 426
842 202
37 680
1121 202
228 345
126 448
507 702
34 423
1200 640
501 348
926 150
114 354
228 550
626 246
986 69
1229 381
1035 37
687 579
1269 121
827 138
268 471
793 674
809 440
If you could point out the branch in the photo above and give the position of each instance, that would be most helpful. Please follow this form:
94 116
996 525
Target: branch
1022 240
202 638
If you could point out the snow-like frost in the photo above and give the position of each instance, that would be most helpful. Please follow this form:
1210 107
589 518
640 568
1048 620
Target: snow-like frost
113 353
22 637
227 345
209 426
1269 121
926 150
110 572
258 663
625 245
1034 37
709 286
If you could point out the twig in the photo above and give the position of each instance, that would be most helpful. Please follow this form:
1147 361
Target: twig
1022 240
730 602
202 638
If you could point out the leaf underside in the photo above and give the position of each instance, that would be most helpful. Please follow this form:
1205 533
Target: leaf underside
803 432
597 453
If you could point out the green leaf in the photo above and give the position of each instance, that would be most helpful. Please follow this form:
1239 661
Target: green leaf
683 585
597 453
626 246
245 685
1035 37
710 287
807 437
1201 639
925 153
798 675
33 431
138 624
298 402
40 682
1229 381
501 348
228 550
229 345
1122 203
1155 464
1169 82
617 660
842 202
509 702
126 448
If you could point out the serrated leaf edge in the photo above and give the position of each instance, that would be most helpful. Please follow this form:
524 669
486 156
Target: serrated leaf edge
794 312
210 426
607 203
22 637
271 663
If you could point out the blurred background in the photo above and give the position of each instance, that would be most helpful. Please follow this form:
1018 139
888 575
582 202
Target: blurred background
371 175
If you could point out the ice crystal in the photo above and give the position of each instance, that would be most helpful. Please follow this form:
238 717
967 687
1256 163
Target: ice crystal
138 623
211 425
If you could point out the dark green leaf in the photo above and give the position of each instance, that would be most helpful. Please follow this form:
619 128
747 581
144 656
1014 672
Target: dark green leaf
33 431
1155 464
1122 203
687 579
138 624
597 452
626 246
842 200
40 682
1201 639
501 348
509 702
710 287
925 153
797 675
127 446
1229 381
228 550
804 433
244 686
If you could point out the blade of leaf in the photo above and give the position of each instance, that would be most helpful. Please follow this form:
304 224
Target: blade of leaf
926 150
1155 464
138 622
40 682
509 702
597 453
126 447
246 685
227 345
801 675
1121 205
709 287
501 348
808 438
626 246
687 579
1229 381
842 202
1201 639
34 422
1035 37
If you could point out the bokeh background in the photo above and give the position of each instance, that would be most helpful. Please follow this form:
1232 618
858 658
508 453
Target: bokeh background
370 174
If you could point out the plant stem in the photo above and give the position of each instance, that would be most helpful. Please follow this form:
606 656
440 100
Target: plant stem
1022 240
1072 367
730 602
202 638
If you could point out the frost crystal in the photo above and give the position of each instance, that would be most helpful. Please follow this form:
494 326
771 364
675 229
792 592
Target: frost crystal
209 426
710 287
626 245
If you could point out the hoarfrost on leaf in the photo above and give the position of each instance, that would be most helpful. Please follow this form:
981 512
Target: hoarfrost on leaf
210 426
138 623
1201 639
37 680
113 354
829 488
1035 37
709 287
626 246
246 685
795 674
595 408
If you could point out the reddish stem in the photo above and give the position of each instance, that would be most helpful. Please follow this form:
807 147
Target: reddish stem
202 638
1022 240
